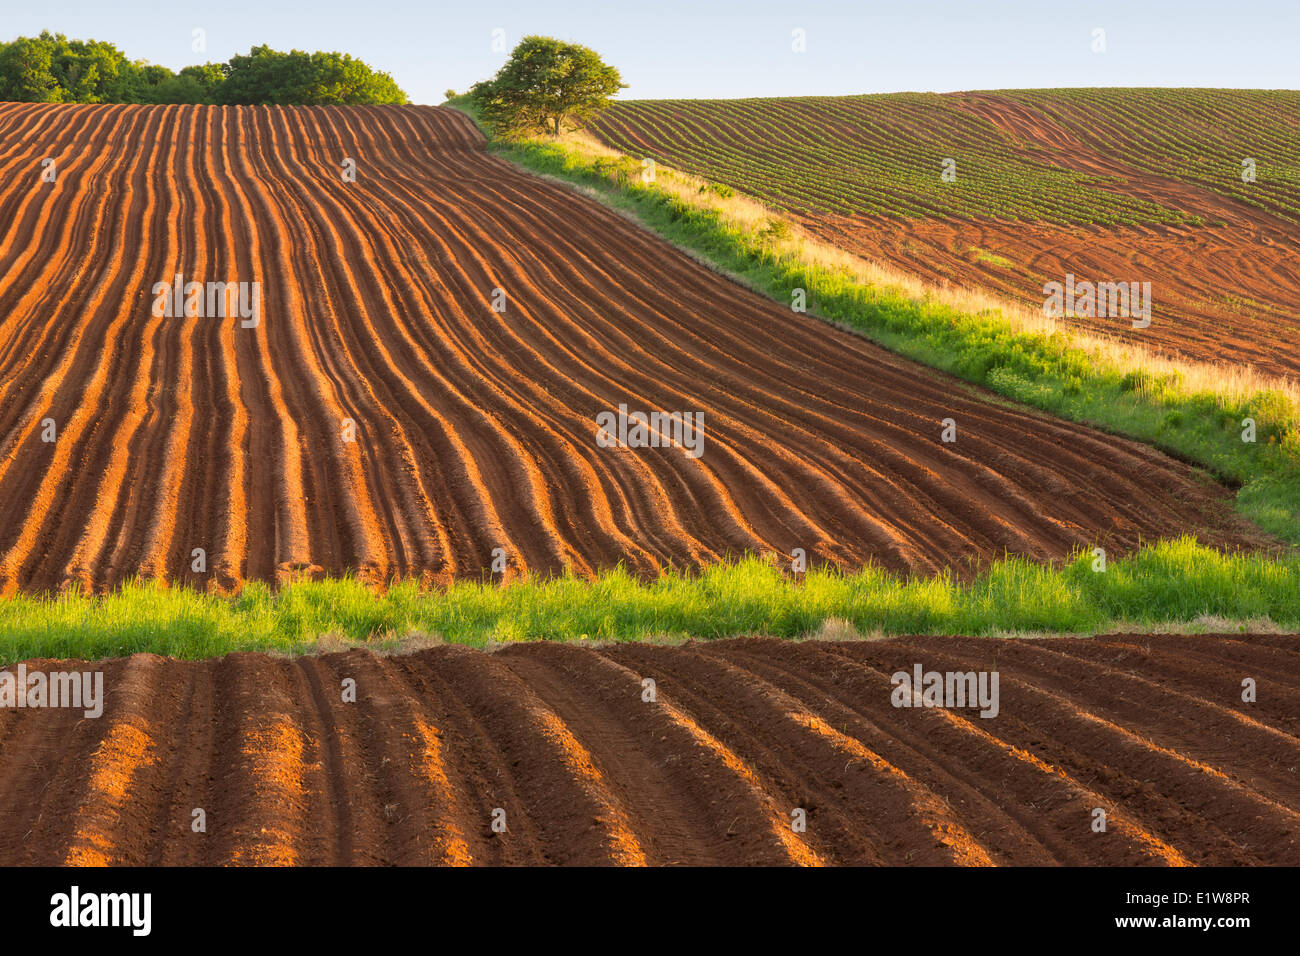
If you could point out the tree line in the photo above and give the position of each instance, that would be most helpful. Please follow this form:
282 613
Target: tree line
51 68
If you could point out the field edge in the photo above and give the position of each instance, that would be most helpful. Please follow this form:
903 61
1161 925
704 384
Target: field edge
1177 585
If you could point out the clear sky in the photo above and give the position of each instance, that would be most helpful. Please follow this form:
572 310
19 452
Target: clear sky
726 48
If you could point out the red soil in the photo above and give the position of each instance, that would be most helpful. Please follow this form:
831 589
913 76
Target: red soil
1150 729
1219 292
474 429
1225 291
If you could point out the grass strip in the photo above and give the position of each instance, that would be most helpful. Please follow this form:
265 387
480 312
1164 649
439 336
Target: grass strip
1175 582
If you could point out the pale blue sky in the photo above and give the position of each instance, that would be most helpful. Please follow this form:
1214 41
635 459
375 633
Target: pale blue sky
724 48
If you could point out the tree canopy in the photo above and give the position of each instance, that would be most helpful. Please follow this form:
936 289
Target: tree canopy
546 83
268 76
51 68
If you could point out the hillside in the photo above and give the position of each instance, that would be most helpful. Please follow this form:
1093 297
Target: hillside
419 395
1105 185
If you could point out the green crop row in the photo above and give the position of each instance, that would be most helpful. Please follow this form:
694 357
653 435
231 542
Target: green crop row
882 154
879 155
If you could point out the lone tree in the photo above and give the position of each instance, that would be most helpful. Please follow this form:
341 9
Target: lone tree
544 84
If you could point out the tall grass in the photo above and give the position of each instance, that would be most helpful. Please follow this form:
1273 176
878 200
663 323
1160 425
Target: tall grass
1192 410
1173 582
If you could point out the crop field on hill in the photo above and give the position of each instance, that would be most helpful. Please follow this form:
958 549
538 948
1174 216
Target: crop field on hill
552 753
1106 185
1190 135
417 393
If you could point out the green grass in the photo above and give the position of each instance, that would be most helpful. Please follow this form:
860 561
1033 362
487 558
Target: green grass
1048 373
1169 582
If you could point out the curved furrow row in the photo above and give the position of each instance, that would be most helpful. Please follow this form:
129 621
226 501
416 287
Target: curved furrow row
1046 802
412 544
799 753
393 376
85 414
302 408
160 541
497 381
662 385
1217 724
732 752
134 475
76 532
474 429
573 458
29 338
1187 664
1179 795
342 522
1012 439
22 210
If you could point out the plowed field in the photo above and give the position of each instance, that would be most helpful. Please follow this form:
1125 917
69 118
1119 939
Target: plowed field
582 769
128 440
1107 185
